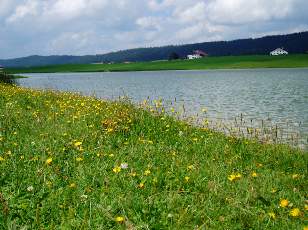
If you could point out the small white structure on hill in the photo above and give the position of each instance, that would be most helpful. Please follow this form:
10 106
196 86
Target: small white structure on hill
193 56
278 51
197 54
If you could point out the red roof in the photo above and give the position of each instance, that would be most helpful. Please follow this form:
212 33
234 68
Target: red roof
200 52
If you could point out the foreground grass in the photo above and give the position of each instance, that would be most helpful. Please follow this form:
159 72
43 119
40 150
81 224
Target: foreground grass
229 62
73 162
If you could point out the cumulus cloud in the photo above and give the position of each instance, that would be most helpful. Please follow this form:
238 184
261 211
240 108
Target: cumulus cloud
97 26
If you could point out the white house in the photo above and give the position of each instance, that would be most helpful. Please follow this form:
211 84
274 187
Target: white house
193 56
197 54
279 51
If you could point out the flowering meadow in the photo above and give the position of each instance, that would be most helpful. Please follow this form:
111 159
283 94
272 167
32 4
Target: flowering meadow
74 162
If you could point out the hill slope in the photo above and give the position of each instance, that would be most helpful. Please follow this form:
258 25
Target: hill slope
293 43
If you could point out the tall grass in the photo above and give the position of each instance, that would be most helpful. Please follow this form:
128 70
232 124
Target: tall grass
74 162
6 78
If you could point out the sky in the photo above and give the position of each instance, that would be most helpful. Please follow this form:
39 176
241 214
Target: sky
79 27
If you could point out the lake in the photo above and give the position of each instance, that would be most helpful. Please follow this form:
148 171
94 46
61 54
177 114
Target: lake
265 98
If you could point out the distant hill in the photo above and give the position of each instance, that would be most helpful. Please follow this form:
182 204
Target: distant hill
294 43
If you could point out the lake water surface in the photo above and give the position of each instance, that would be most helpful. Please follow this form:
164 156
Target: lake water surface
276 95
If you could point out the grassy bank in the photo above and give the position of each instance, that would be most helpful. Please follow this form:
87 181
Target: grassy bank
74 162
229 62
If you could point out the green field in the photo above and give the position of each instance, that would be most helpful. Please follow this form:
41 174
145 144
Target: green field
73 162
229 62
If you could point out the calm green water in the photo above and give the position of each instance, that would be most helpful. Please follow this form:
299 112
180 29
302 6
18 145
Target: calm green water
262 96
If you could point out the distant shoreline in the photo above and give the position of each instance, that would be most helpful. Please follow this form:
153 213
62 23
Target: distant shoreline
209 63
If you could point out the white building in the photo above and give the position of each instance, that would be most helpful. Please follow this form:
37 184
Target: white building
279 51
193 56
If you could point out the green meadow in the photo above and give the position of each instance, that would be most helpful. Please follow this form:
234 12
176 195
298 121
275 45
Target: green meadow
226 62
74 162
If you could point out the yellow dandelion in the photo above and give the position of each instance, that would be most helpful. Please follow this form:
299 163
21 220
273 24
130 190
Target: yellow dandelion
190 167
109 130
295 212
305 227
234 177
186 179
254 174
79 159
306 207
78 144
72 185
119 219
284 203
141 185
272 215
147 172
2 159
295 176
116 169
49 161
195 139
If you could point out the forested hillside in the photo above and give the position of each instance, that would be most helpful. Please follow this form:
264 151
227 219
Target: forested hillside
294 43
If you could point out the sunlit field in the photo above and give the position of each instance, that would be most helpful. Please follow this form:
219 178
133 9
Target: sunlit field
74 162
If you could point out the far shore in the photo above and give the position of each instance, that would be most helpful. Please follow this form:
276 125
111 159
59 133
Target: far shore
208 63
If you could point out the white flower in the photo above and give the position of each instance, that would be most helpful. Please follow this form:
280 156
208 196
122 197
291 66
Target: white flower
83 197
124 166
30 188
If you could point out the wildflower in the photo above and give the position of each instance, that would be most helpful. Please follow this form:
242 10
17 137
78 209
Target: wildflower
83 197
274 190
306 207
284 203
49 161
30 189
2 159
124 166
195 139
190 167
272 215
306 228
109 130
254 174
116 169
72 185
259 165
133 174
147 172
295 212
79 159
234 177
186 179
78 144
295 176
141 185
119 219
206 122
204 110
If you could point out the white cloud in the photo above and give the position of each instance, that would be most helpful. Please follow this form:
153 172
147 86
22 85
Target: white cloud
30 8
95 26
